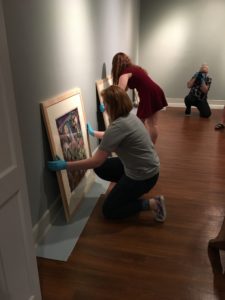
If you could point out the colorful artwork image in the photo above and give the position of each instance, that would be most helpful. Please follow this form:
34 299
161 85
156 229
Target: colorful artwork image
65 122
72 143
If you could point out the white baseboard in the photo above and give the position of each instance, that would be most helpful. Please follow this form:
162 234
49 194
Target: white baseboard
179 102
41 228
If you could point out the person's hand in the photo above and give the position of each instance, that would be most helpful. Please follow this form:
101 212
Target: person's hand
102 107
57 165
90 130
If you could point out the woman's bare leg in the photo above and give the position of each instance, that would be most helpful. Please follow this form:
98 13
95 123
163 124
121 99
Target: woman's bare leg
151 125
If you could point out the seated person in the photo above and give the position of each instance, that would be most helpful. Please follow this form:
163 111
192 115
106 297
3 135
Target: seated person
221 124
199 86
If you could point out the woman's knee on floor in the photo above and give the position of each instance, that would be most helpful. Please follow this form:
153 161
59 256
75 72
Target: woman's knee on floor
205 114
187 101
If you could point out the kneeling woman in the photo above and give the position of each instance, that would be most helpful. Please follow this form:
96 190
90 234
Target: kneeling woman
136 167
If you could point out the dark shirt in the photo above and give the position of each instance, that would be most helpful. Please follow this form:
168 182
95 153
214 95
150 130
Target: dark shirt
196 89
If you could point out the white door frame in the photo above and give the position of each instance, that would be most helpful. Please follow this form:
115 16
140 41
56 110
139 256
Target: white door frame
19 278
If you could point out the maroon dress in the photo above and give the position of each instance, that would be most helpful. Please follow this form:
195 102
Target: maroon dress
152 97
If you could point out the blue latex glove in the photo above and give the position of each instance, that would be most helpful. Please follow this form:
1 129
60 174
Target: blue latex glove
57 165
90 130
102 107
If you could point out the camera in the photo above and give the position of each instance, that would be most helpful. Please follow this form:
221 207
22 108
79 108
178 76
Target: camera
200 77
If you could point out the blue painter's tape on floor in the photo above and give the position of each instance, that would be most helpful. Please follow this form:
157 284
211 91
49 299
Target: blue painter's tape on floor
62 237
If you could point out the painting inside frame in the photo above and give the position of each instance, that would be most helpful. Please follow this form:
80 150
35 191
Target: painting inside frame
65 123
102 84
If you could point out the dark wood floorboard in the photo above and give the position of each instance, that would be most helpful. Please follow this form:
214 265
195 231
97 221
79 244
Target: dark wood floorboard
140 259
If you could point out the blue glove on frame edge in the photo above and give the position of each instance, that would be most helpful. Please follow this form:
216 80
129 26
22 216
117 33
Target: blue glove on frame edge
57 165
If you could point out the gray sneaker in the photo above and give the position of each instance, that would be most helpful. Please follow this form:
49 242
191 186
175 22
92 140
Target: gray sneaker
160 211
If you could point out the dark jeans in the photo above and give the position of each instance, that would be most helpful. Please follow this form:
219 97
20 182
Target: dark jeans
124 199
202 105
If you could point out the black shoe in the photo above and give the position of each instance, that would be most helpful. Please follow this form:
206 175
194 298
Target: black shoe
188 111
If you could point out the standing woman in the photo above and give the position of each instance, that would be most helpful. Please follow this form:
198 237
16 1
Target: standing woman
136 167
152 98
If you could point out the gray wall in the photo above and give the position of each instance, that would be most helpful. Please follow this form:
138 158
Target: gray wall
55 46
176 37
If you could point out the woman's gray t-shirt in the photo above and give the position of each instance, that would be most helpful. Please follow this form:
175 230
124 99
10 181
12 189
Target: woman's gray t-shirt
129 139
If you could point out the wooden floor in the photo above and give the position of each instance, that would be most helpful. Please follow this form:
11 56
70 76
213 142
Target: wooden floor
140 259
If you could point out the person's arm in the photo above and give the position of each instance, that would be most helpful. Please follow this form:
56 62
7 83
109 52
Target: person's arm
198 76
191 82
99 134
123 80
95 133
90 163
204 88
205 83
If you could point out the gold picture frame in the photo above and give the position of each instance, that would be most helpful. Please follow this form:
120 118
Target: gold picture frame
102 84
65 123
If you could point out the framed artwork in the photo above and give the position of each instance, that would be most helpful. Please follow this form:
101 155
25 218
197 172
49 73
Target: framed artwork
102 84
65 123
